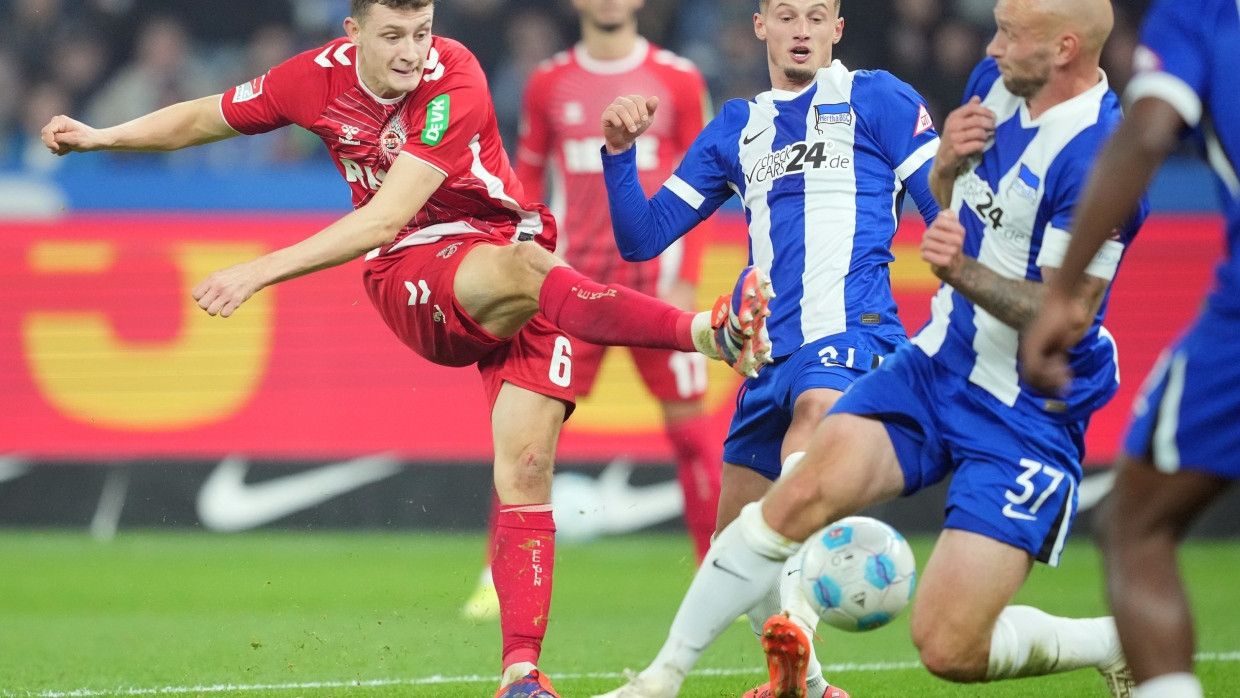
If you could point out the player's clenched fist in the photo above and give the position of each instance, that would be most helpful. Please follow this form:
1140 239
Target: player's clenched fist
625 119
943 243
63 135
225 290
966 132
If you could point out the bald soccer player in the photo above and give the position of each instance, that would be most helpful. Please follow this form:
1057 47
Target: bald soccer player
1010 166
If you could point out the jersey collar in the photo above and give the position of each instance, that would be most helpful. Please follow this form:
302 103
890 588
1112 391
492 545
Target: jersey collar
1086 102
833 72
619 65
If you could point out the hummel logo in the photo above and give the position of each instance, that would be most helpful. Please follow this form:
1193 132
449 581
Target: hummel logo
749 139
349 136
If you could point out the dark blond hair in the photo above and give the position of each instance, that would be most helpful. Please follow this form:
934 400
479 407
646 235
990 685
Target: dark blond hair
359 8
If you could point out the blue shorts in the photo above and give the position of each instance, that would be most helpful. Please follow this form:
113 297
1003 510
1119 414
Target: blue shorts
764 404
1015 472
1188 411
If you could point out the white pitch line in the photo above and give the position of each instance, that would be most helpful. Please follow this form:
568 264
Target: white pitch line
437 679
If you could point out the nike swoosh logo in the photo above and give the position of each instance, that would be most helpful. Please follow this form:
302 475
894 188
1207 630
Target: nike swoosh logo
1011 513
749 139
725 570
227 502
586 507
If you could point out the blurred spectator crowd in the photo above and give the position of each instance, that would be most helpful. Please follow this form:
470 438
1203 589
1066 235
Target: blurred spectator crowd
107 61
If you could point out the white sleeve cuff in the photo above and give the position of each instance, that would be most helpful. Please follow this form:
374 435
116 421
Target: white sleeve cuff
1104 264
1169 89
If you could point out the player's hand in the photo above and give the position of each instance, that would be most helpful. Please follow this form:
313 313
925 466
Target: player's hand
63 135
625 119
1045 343
966 132
942 245
225 290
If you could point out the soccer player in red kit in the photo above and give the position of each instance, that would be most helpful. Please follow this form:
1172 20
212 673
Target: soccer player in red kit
458 259
560 141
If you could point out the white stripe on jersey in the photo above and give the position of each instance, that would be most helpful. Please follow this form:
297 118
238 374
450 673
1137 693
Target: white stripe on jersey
530 222
932 336
1166 452
830 223
761 122
914 162
427 235
1217 157
1064 524
688 194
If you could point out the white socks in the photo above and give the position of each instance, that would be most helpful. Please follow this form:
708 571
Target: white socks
1179 685
743 564
1029 642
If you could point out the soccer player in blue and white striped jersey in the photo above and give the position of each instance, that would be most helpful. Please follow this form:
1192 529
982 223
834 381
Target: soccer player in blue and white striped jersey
1181 449
1009 168
822 164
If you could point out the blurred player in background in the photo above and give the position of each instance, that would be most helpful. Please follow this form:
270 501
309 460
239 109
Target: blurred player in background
560 141
1007 172
1182 444
458 259
822 164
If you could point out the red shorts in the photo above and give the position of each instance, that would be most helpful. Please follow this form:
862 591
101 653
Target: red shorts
413 292
669 375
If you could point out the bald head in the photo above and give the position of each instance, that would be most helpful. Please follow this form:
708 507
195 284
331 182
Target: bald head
1088 20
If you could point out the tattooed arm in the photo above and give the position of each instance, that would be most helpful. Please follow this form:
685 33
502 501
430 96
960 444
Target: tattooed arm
1015 302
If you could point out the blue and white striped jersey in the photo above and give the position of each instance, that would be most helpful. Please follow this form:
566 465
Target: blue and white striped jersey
821 174
1016 204
1190 57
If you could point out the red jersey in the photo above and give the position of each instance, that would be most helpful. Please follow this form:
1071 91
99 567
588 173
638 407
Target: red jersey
560 131
448 122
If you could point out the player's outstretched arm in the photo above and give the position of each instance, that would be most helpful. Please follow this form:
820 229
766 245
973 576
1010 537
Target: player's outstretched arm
965 133
178 126
1123 170
625 119
406 189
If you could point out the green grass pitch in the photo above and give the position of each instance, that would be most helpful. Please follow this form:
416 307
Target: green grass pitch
367 615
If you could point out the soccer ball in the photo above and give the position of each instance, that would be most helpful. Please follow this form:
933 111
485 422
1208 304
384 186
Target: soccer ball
858 573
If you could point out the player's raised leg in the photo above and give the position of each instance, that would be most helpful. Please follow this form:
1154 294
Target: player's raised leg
1143 521
536 280
525 426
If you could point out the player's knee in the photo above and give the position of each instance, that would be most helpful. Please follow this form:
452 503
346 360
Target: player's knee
949 657
535 461
532 262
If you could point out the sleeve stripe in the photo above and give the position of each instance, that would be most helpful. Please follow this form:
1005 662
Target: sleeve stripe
225 116
919 157
1168 88
688 194
1055 244
428 162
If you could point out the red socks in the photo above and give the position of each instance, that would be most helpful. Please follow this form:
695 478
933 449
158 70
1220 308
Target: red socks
522 558
699 467
612 314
